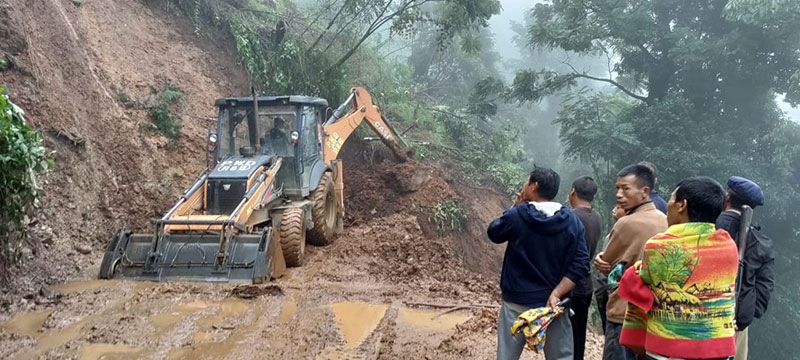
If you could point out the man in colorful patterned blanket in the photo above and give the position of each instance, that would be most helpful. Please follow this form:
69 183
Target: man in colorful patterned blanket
681 295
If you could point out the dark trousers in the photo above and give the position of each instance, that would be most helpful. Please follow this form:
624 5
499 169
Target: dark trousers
601 296
580 305
612 349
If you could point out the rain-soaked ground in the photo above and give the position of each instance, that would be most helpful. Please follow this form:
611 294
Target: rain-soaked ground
352 300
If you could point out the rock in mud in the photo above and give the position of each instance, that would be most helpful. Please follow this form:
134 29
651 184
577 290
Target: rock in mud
83 249
254 291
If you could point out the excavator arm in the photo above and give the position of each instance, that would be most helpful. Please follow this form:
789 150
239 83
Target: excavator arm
348 116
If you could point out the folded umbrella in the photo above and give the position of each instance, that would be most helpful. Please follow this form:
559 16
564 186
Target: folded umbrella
534 322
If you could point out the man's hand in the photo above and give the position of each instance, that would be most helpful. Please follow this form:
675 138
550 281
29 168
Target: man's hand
518 199
553 300
601 265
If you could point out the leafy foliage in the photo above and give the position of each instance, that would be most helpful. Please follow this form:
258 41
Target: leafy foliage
125 99
448 216
21 156
163 120
694 84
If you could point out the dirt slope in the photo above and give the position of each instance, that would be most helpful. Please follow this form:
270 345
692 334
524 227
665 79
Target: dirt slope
108 172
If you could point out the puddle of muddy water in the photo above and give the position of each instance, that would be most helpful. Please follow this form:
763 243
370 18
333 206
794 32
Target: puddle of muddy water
190 307
217 345
53 339
288 310
228 312
109 352
357 320
232 307
30 324
81 286
163 322
27 324
423 319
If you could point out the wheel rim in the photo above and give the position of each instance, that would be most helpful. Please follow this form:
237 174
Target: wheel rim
330 210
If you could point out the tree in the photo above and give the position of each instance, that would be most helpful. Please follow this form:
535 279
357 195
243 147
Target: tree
363 19
701 78
21 156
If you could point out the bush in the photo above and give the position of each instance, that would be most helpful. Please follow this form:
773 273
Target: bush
159 112
509 177
21 156
448 216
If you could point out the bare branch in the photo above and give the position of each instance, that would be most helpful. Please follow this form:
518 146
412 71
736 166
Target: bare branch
330 25
609 81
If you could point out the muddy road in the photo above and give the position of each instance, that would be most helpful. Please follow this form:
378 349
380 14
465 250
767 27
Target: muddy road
366 296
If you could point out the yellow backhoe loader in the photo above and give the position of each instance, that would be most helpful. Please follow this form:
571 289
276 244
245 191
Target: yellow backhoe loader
273 183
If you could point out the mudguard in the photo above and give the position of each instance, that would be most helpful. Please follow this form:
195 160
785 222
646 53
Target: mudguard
317 171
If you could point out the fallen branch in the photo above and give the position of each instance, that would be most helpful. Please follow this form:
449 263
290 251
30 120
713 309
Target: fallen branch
449 306
452 309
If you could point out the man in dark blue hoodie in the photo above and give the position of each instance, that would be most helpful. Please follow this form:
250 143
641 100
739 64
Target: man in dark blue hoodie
545 256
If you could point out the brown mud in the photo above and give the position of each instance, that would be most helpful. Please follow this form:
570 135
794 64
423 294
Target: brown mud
360 298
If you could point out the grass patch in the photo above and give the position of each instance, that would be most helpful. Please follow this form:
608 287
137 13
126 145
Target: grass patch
160 108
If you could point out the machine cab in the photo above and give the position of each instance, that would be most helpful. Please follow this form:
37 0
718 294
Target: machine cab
286 126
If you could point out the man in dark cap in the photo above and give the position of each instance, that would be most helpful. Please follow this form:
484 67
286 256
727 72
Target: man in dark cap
758 260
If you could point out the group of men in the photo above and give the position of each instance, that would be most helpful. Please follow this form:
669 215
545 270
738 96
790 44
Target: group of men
668 279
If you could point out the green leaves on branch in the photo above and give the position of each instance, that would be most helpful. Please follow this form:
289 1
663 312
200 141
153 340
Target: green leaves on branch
160 110
21 156
448 216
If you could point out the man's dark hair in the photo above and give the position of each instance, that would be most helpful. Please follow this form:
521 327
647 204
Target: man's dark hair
548 181
737 201
704 196
644 176
650 166
585 188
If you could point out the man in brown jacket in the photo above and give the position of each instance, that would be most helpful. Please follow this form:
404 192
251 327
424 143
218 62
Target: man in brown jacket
625 246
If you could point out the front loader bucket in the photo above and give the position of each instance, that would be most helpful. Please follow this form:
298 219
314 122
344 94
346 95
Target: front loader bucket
192 257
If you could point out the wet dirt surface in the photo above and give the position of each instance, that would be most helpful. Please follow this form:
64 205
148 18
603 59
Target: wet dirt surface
347 302
389 287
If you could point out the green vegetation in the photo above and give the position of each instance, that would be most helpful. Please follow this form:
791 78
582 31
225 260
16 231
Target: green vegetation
125 99
448 216
159 108
21 156
688 85
160 113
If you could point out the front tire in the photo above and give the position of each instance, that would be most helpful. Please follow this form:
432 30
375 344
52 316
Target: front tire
293 236
323 213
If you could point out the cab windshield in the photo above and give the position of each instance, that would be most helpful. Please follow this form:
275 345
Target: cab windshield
275 124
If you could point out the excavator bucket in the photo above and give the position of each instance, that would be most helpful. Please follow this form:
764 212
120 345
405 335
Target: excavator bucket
194 257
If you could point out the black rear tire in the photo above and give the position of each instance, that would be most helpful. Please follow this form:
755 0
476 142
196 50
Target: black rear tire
293 236
323 213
